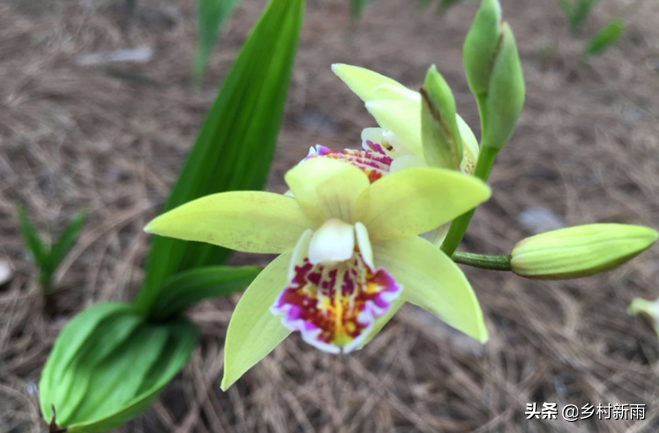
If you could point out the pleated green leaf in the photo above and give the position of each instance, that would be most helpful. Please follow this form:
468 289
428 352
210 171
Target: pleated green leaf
181 291
108 365
236 143
212 14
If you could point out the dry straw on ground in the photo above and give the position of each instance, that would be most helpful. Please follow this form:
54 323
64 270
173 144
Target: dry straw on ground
112 137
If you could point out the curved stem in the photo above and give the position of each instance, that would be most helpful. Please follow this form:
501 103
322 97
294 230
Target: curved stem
459 225
493 263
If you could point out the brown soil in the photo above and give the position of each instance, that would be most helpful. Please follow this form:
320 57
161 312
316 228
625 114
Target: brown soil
112 137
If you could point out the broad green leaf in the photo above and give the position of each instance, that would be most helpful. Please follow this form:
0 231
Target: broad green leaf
212 14
182 290
74 335
236 143
67 238
606 37
431 280
109 364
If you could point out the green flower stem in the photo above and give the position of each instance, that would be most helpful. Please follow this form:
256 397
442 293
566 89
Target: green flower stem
459 226
493 263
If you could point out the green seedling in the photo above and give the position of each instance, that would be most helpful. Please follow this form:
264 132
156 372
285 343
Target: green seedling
577 12
46 256
606 37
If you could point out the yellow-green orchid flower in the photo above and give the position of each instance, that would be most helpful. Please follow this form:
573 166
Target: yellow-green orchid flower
397 110
397 144
350 255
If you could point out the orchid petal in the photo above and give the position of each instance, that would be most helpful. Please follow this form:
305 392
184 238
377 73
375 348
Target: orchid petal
327 187
254 331
369 85
431 280
364 244
468 139
249 221
405 162
299 254
403 118
381 322
437 236
416 200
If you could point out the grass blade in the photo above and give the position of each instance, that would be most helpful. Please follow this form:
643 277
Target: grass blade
357 8
212 14
32 240
580 12
606 37
67 238
445 5
236 143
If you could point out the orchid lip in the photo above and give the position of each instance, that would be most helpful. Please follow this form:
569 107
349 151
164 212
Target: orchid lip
335 303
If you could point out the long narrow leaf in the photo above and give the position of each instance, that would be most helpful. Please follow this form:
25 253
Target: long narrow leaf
182 290
34 244
605 38
357 8
445 5
580 12
212 14
236 143
67 238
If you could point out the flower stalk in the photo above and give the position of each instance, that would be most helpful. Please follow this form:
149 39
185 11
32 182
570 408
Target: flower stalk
486 159
483 261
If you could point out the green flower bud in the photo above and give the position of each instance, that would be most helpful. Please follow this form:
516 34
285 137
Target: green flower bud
482 45
579 251
505 96
494 74
442 143
108 365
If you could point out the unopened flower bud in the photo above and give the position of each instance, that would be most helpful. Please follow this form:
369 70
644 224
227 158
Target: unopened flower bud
494 74
482 46
108 365
442 144
579 251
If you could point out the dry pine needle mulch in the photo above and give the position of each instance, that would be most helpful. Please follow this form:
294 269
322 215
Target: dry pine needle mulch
112 137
